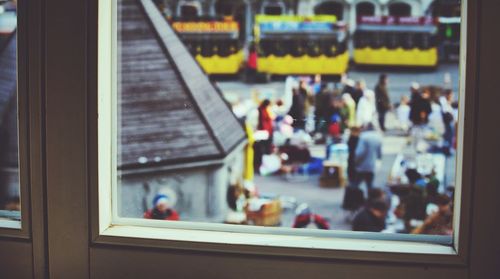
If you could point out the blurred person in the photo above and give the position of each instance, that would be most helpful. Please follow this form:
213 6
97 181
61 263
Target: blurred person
446 102
371 218
334 128
420 108
350 106
440 222
376 194
321 103
252 63
266 123
435 118
285 126
352 143
383 103
414 91
368 151
403 113
355 89
305 92
297 109
317 84
365 110
162 209
304 217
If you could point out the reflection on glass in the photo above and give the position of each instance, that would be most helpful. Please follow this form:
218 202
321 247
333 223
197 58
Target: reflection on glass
291 134
9 167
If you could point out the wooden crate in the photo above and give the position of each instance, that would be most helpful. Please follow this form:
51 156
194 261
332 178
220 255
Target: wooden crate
332 175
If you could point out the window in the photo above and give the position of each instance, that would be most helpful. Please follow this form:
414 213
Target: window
365 9
274 9
10 203
400 9
330 8
182 147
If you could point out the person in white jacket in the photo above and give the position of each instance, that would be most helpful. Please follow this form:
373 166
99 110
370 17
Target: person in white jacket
365 110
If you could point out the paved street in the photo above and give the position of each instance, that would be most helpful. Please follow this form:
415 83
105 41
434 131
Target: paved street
399 82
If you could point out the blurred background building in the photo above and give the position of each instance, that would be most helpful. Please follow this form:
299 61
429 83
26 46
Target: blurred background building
244 11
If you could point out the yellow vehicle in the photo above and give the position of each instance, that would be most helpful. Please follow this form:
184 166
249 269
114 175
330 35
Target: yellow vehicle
300 45
393 41
214 43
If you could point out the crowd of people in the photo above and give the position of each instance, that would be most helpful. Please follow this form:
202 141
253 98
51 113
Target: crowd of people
350 113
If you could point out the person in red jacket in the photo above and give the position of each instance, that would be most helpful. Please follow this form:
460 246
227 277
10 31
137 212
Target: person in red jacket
161 209
266 123
252 63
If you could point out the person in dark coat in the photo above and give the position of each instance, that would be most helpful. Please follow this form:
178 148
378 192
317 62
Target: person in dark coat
297 110
420 108
371 218
352 143
382 100
321 101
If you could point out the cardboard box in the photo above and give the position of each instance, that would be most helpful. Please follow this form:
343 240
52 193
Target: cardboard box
269 214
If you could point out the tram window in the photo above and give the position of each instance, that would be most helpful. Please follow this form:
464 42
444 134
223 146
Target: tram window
313 48
407 40
342 47
189 12
392 40
365 9
297 47
330 8
273 10
224 7
361 39
423 41
329 47
207 49
378 40
399 9
280 48
224 48
264 48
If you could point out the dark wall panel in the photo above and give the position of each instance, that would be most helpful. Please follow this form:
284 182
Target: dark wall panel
15 259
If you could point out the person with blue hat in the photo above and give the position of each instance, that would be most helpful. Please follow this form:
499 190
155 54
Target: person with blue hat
161 209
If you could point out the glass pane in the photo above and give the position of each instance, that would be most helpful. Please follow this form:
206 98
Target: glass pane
273 126
9 162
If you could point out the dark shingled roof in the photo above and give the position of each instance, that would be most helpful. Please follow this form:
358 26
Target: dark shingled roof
169 110
8 103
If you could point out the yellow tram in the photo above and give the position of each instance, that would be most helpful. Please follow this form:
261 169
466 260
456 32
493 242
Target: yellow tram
215 44
396 41
289 44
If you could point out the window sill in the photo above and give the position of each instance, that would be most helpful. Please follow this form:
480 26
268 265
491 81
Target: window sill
281 245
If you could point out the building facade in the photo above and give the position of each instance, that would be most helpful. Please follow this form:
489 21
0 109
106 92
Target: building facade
345 10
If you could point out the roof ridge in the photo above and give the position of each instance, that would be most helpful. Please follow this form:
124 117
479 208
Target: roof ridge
167 34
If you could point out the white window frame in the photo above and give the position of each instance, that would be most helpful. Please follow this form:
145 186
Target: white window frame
108 228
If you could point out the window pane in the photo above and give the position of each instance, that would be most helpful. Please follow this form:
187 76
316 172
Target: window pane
9 161
276 128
